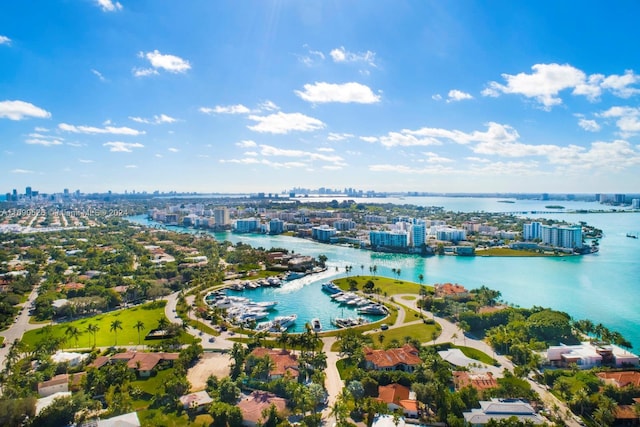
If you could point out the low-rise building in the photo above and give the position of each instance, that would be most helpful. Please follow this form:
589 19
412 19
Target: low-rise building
253 405
57 384
144 363
284 363
479 381
399 397
405 358
500 409
196 401
588 355
620 379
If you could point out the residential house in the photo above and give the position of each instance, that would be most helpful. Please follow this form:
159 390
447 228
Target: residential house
196 401
627 414
284 363
479 381
57 384
620 378
450 290
125 420
588 355
499 409
144 363
253 405
405 358
397 396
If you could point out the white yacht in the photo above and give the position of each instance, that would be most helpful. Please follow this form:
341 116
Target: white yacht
316 326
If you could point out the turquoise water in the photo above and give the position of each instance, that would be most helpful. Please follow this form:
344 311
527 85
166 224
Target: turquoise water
306 300
603 287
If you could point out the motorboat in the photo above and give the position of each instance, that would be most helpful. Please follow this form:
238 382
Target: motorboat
331 288
316 326
375 309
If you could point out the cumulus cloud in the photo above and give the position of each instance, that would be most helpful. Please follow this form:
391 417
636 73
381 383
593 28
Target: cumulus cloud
546 82
173 149
283 123
342 55
131 166
122 147
5 40
18 110
96 130
628 119
22 171
457 95
589 125
321 92
156 120
436 97
159 61
44 140
225 109
246 144
109 5
339 136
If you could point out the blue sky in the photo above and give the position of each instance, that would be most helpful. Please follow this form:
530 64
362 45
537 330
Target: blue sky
246 96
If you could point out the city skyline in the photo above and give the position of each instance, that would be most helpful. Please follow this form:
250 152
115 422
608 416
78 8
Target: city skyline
216 97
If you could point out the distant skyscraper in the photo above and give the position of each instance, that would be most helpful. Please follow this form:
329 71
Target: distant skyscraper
27 192
221 216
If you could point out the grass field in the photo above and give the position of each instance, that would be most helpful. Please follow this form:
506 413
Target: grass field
421 332
386 284
477 355
148 314
507 252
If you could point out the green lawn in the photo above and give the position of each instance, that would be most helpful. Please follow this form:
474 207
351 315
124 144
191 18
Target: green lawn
477 355
411 315
159 417
409 297
422 332
507 252
386 284
345 368
149 314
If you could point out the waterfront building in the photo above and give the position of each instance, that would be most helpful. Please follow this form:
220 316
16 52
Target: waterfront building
588 355
635 203
221 216
561 236
532 231
344 224
378 219
450 234
418 233
500 409
391 239
276 226
247 225
323 233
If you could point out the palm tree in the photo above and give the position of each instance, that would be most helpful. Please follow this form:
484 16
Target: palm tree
93 329
163 323
139 326
421 278
375 269
73 332
115 325
362 268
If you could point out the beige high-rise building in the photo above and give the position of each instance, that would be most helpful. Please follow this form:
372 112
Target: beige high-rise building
221 216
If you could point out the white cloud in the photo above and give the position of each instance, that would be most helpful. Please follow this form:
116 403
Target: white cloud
312 57
339 136
21 171
95 130
436 97
18 110
369 138
247 143
173 150
268 150
342 55
478 159
457 95
403 169
122 147
40 129
85 161
144 72
5 40
75 144
157 120
589 125
628 119
158 155
321 92
436 158
546 82
268 106
282 123
326 149
131 166
109 5
98 74
170 63
619 85
226 109
44 140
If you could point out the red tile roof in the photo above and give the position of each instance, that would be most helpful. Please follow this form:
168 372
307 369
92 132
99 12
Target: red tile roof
143 361
284 362
621 378
57 380
393 393
407 355
450 289
257 402
478 381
